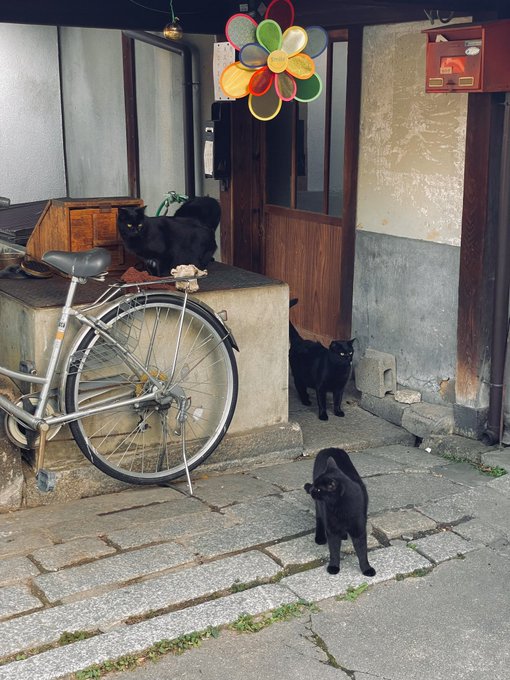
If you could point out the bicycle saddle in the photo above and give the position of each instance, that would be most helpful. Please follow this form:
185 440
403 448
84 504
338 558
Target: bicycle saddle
83 264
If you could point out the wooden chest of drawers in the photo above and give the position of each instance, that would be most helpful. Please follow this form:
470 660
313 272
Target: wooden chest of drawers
75 224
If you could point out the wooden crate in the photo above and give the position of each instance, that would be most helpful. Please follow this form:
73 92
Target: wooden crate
75 224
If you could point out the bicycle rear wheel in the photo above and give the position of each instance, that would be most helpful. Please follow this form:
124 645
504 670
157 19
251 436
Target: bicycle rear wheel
142 443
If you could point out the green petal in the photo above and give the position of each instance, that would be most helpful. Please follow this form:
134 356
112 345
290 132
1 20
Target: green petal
309 89
269 35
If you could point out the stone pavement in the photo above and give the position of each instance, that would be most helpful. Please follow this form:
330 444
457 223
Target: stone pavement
86 583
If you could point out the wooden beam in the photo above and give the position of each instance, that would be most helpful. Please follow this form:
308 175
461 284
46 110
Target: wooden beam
476 252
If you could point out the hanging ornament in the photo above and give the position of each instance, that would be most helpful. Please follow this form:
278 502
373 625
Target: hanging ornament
275 60
173 30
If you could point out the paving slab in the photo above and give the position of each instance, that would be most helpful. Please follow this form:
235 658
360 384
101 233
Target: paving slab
476 530
369 465
72 552
100 523
251 534
223 490
444 545
111 571
304 550
317 584
17 599
170 529
452 623
481 502
410 457
389 492
467 475
402 522
288 476
22 541
268 508
13 569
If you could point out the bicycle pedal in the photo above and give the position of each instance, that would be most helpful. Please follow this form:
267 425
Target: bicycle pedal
46 480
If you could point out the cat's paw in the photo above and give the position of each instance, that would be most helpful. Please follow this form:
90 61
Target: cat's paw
332 569
306 402
369 572
320 539
340 414
307 487
323 416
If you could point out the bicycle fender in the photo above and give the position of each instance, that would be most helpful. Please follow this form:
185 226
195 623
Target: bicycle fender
205 307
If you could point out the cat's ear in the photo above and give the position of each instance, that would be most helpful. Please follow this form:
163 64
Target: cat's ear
141 210
331 465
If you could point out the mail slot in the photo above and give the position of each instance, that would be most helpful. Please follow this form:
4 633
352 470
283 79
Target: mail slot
469 57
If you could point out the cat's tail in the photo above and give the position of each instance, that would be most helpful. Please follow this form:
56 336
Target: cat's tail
293 334
205 209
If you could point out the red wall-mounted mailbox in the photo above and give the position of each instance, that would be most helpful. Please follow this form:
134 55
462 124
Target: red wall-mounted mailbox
469 57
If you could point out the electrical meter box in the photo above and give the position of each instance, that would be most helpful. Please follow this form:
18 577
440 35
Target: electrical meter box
469 57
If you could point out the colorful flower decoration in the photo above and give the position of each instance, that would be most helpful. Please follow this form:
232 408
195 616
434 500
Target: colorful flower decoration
275 60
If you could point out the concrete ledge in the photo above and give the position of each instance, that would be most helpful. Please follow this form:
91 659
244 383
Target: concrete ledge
11 475
425 419
469 422
458 447
386 407
262 445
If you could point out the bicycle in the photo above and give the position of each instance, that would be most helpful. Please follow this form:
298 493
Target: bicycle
148 386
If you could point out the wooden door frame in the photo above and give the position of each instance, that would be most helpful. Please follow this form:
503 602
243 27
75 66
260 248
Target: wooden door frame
243 200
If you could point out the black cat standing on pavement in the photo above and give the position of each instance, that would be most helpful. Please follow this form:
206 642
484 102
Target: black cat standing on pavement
341 505
166 242
323 369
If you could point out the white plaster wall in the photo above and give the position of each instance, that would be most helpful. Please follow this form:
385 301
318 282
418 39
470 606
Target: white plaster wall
31 146
412 144
93 96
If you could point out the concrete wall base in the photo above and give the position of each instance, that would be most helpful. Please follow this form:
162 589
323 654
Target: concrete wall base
260 446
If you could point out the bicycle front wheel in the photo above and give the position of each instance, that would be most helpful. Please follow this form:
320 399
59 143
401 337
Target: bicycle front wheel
142 443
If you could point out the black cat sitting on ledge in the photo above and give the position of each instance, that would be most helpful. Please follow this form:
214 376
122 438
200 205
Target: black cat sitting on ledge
323 369
163 243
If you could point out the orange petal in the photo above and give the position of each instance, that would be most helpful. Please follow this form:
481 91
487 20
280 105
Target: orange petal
301 66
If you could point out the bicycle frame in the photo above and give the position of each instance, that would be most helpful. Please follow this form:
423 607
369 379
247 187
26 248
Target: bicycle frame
35 420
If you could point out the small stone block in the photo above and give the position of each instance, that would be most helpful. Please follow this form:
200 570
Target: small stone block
376 373
407 396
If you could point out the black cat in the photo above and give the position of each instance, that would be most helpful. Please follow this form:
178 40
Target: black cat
324 370
341 503
163 243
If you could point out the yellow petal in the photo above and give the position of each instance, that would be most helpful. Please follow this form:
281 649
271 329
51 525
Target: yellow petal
235 79
265 107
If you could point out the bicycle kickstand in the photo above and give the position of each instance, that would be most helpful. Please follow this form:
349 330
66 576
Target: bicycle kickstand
182 421
45 479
